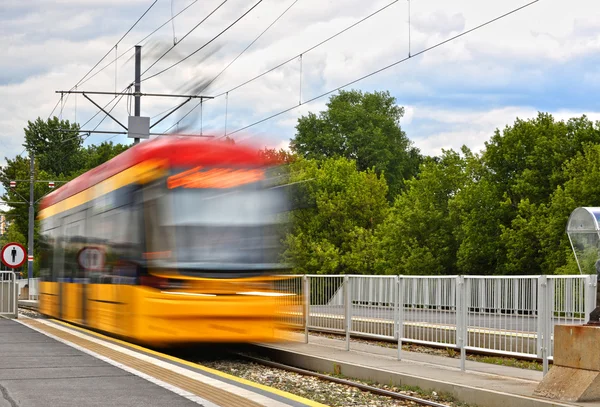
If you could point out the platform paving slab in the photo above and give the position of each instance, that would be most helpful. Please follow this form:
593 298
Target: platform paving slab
36 370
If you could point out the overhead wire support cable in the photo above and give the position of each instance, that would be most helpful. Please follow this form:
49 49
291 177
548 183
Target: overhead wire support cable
300 87
228 65
184 37
121 39
387 66
310 49
409 28
252 43
173 22
205 45
53 110
287 61
140 41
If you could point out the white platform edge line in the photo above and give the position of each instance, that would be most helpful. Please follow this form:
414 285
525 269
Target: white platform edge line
231 388
158 382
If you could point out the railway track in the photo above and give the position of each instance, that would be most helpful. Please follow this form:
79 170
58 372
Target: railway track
345 382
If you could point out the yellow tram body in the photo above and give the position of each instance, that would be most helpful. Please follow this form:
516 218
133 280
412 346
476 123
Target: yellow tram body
115 260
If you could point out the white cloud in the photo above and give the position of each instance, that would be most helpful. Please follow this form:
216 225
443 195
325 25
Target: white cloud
449 85
471 128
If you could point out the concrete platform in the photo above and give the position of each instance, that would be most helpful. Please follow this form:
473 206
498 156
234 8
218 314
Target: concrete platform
481 384
45 362
36 370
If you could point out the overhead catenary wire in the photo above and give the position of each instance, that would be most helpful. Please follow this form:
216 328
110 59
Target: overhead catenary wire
295 57
386 67
83 79
111 48
292 58
140 41
252 43
183 38
232 62
204 46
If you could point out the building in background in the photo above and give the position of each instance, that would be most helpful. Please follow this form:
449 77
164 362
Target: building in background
3 225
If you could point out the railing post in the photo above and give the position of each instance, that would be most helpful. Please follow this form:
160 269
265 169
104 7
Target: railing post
347 310
540 317
461 319
400 314
544 314
306 290
15 294
590 295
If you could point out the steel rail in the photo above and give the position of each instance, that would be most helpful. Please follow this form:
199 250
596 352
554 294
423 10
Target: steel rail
361 386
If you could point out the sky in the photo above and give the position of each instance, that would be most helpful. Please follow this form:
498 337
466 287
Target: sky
542 58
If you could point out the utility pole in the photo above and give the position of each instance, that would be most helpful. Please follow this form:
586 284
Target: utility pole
138 84
31 222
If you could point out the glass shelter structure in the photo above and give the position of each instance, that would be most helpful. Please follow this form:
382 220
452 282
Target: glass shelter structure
584 234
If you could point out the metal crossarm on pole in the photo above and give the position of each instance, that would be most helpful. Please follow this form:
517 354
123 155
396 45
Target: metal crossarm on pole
107 113
171 112
165 95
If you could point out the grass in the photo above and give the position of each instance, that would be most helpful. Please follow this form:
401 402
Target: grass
415 391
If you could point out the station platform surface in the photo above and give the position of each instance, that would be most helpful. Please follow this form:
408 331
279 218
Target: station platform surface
43 363
481 384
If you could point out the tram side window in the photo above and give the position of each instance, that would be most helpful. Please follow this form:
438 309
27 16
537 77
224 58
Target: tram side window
75 241
58 255
114 231
47 241
99 236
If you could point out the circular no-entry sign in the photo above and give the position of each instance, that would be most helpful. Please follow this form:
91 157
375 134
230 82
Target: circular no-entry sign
13 255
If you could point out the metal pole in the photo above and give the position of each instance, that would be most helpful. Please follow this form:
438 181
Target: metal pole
543 318
31 225
400 281
461 320
306 282
138 84
347 310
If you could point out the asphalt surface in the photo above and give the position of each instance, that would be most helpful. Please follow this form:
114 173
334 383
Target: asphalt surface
36 370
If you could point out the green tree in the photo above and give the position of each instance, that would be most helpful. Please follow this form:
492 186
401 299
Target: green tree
503 209
418 236
477 212
59 156
333 233
94 155
581 188
364 127
56 145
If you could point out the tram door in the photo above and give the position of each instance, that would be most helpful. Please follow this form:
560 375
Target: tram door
73 281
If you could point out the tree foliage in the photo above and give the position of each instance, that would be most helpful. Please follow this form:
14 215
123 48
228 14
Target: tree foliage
418 236
364 127
333 233
58 156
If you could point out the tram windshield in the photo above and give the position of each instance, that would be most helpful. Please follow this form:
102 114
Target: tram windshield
229 229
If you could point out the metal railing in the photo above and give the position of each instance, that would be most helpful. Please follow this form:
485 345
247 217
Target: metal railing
506 315
8 295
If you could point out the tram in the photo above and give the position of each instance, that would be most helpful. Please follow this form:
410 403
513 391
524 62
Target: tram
175 240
